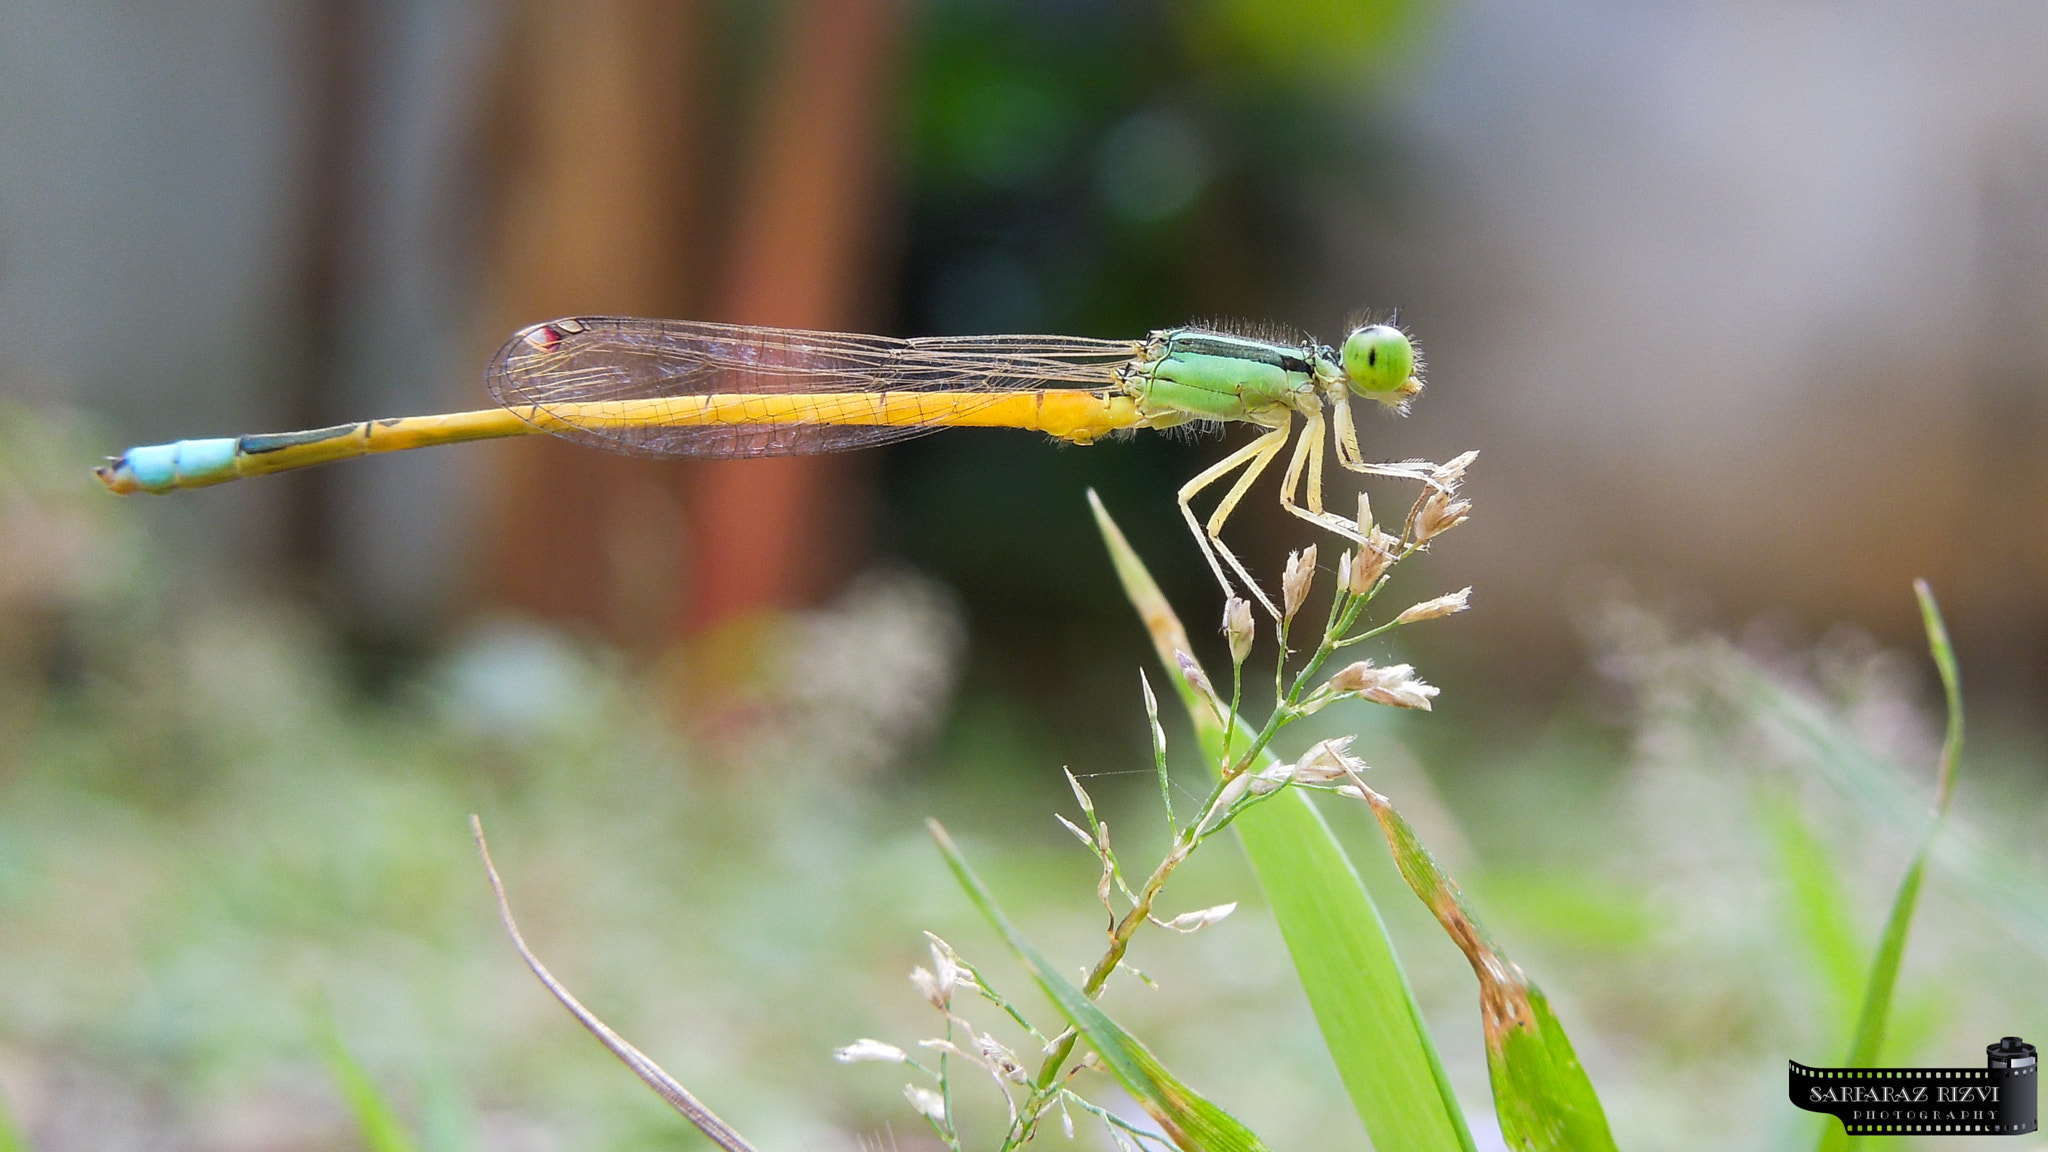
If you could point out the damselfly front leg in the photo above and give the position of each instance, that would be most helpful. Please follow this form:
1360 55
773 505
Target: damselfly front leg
1345 434
1308 452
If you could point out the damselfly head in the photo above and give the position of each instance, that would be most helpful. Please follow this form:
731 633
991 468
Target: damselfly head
1379 362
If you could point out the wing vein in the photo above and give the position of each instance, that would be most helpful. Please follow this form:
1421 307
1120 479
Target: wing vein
666 367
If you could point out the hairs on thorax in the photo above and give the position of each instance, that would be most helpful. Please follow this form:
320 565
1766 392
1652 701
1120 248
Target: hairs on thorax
1193 430
1284 334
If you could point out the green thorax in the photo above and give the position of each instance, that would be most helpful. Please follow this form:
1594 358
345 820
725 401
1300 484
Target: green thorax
1189 374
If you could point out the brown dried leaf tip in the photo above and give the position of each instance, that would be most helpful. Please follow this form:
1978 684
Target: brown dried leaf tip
1503 986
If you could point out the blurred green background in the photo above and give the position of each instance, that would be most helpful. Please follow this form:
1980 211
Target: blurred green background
1740 302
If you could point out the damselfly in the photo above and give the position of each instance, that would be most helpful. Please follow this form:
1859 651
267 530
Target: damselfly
672 388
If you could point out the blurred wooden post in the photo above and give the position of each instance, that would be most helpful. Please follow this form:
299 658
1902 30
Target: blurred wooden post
768 533
597 218
594 218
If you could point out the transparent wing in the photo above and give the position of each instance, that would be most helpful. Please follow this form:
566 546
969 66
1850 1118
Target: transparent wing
598 358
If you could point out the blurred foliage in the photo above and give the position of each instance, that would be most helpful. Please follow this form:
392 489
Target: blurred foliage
1083 167
1104 169
376 1119
201 822
1192 1121
10 1135
1341 44
1336 936
202 819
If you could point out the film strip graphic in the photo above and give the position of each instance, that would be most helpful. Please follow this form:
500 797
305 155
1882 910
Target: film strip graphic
1997 1100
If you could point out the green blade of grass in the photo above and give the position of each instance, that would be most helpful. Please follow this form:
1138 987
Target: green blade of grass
1354 982
1877 992
1976 867
1884 968
1817 912
1540 1092
375 1118
1965 856
1891 948
1194 1123
1944 656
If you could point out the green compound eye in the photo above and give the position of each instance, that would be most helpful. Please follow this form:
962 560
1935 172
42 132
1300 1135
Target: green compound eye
1378 359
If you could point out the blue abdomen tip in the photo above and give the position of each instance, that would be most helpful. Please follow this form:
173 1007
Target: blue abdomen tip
185 464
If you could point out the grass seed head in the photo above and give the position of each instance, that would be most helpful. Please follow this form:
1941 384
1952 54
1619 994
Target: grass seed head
1202 918
1234 791
1373 559
946 965
1357 677
936 988
928 1103
1193 674
1294 583
1407 694
1438 513
1152 715
869 1051
962 978
1076 829
1451 473
1395 686
1237 625
1086 801
999 1059
1441 606
1328 761
927 986
1271 778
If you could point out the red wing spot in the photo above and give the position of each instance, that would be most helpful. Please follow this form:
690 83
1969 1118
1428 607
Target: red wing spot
543 338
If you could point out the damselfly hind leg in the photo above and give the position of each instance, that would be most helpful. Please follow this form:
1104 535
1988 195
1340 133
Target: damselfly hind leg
1253 458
